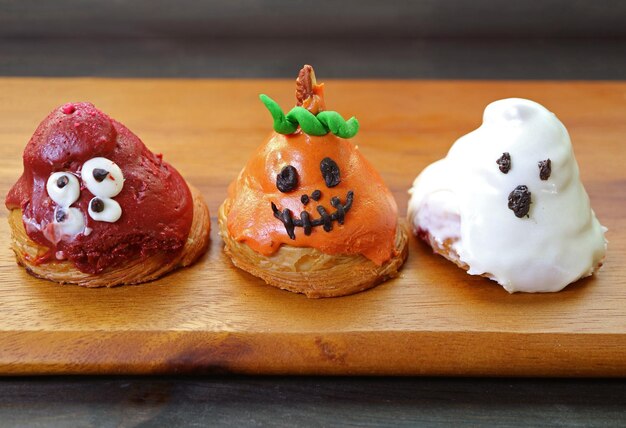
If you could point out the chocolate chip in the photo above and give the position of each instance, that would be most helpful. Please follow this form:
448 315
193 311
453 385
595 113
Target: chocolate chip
97 205
504 162
330 172
60 215
287 180
100 174
62 181
545 169
519 201
316 195
304 199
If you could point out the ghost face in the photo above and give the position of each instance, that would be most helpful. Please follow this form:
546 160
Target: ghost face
520 197
518 159
521 214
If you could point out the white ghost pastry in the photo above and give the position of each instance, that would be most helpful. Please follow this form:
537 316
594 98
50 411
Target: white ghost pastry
507 202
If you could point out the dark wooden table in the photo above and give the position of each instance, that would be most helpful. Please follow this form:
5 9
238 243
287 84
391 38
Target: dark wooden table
312 401
297 401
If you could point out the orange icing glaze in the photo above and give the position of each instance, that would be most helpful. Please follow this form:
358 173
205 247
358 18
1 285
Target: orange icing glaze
370 224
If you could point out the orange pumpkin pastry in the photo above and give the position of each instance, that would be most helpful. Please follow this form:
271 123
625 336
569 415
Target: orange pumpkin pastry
95 207
308 213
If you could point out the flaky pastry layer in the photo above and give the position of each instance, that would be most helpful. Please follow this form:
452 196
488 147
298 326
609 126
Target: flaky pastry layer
132 272
309 271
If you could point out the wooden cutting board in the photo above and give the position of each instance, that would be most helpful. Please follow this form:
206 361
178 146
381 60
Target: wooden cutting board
433 320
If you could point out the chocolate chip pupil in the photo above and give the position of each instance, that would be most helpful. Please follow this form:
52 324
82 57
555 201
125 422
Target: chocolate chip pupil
62 181
287 179
60 215
330 172
100 174
97 205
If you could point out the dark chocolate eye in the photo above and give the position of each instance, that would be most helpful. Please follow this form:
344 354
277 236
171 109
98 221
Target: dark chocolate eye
504 162
545 169
330 172
287 180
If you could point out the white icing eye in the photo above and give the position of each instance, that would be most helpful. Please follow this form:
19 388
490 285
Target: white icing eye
69 221
63 188
104 209
102 177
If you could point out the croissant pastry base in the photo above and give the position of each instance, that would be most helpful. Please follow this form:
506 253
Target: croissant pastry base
133 272
308 270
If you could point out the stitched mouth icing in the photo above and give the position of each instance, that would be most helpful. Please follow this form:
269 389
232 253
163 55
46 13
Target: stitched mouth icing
325 219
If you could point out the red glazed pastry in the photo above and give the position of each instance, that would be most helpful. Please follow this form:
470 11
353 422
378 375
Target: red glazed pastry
309 213
95 207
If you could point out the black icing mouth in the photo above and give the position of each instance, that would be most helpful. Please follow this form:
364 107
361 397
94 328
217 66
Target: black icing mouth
325 219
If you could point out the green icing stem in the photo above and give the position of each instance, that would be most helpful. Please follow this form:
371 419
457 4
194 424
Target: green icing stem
307 121
324 122
338 125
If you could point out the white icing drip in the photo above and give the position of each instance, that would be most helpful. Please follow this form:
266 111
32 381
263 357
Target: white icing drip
67 222
72 224
111 185
66 195
31 225
111 212
559 242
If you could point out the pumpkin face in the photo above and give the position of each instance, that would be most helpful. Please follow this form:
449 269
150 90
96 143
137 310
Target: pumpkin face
309 186
317 192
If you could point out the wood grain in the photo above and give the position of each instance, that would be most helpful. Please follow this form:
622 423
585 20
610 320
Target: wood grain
434 319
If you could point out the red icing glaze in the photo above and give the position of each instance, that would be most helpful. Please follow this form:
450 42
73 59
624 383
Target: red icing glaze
68 108
157 206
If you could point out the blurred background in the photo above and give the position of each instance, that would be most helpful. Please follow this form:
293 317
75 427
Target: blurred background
479 39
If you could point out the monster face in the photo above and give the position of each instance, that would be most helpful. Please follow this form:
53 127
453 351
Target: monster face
103 178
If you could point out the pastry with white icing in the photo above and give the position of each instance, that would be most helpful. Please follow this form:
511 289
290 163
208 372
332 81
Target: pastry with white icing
507 202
